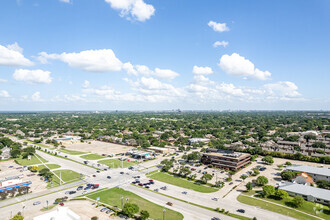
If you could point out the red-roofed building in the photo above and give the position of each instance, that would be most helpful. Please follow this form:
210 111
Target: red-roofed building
303 178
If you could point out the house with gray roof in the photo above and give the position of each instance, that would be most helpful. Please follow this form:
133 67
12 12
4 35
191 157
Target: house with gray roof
309 193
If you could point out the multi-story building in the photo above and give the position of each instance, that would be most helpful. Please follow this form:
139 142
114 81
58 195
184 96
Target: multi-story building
226 159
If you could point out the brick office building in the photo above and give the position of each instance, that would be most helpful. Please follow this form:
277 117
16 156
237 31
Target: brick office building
226 159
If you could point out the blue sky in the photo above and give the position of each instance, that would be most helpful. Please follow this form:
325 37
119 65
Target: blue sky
159 55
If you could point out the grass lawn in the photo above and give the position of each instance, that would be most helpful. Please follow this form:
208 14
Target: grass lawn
50 166
68 176
72 152
274 208
26 162
117 163
113 197
307 207
177 181
92 157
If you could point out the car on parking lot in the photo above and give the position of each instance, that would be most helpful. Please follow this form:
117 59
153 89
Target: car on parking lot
262 168
121 172
103 209
84 192
231 183
109 211
215 199
72 192
87 187
240 210
94 175
36 203
140 184
80 188
98 171
215 218
169 203
147 187
109 177
185 193
156 190
61 204
10 166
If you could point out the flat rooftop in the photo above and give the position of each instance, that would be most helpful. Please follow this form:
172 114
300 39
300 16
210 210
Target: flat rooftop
310 169
306 190
236 155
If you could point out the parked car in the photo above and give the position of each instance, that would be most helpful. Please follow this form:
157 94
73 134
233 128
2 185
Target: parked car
241 210
140 184
169 203
87 187
215 218
94 175
72 192
215 199
147 187
231 183
36 203
61 204
80 188
185 193
109 211
109 177
262 168
103 209
121 172
156 190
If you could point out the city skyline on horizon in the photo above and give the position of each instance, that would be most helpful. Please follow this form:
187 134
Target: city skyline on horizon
141 55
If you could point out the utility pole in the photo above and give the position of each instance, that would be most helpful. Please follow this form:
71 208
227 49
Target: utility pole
122 202
164 213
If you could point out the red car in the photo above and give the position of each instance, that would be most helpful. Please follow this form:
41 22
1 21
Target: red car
61 204
140 184
151 180
94 175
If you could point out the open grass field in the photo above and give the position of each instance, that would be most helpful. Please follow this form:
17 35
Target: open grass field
92 157
115 163
26 162
50 166
274 208
177 181
68 176
113 197
71 152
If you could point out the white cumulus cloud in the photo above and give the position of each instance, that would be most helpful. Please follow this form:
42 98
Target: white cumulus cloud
4 94
103 60
12 56
218 27
86 84
237 65
36 97
200 70
221 43
230 89
32 76
3 80
160 73
133 9
282 90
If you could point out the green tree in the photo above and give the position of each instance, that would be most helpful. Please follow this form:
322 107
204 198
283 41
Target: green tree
248 186
206 177
281 194
17 217
261 181
298 201
268 190
144 214
268 159
130 209
288 175
15 153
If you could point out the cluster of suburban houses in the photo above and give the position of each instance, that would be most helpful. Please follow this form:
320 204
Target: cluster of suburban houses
302 184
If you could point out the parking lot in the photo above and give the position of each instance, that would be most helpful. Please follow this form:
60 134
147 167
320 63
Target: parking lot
17 170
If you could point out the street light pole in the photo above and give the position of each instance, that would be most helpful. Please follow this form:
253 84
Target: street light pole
122 202
164 213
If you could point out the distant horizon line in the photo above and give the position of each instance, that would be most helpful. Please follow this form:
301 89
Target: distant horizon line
172 111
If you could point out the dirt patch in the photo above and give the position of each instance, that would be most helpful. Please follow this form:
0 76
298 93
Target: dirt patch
99 147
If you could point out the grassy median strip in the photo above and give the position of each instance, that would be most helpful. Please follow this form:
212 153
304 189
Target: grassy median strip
113 197
49 166
68 176
116 163
70 160
177 181
274 208
72 152
204 207
92 157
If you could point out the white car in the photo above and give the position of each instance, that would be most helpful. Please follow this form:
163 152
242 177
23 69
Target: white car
84 192
36 203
